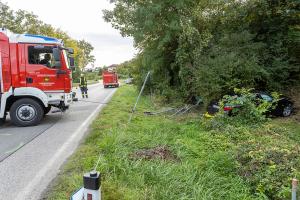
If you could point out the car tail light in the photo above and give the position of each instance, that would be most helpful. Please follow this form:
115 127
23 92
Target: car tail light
228 108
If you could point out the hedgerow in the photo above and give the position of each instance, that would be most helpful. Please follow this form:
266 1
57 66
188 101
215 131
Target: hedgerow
207 48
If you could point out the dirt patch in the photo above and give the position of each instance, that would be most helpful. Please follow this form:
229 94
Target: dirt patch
160 152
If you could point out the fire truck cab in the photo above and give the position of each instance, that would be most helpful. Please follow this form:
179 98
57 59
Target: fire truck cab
35 75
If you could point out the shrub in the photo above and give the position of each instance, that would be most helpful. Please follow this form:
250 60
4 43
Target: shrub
265 158
247 109
269 167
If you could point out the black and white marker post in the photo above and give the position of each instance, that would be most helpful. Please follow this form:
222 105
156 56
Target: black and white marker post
91 187
294 189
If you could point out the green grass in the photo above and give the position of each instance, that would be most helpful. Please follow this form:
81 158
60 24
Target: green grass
209 165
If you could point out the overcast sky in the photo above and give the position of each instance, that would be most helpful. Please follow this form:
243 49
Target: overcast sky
82 19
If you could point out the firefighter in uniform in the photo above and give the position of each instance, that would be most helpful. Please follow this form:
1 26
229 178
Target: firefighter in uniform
83 86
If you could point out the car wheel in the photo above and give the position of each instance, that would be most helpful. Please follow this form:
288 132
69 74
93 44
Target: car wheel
287 111
26 112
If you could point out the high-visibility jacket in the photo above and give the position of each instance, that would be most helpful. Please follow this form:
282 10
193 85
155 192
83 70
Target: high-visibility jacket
83 82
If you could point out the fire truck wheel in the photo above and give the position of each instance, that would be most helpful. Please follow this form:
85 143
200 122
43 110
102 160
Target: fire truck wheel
47 110
26 112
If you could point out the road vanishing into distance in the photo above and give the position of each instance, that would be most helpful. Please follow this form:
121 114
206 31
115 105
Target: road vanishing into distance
30 157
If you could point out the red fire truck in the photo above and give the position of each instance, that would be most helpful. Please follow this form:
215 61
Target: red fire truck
35 75
110 79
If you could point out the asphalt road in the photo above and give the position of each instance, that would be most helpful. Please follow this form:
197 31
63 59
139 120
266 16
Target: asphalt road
31 157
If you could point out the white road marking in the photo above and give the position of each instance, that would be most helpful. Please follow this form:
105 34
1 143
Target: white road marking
25 193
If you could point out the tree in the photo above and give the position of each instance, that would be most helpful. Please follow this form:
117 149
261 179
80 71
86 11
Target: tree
207 48
127 69
86 49
22 21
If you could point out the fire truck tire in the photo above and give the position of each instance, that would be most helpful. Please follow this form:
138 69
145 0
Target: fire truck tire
2 120
47 110
26 112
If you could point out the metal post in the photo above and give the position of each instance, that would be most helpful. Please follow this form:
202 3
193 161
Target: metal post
294 189
138 98
92 186
143 87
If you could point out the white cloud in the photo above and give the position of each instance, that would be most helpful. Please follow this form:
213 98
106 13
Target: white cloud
83 20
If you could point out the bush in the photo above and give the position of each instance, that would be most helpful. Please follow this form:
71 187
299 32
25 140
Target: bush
269 167
266 159
250 109
246 110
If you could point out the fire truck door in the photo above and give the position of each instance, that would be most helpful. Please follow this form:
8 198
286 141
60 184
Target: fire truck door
41 71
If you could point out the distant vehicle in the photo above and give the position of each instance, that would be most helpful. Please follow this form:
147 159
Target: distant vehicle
110 79
35 75
282 107
129 81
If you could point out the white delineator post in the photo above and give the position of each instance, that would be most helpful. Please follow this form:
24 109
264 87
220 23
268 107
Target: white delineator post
92 186
294 189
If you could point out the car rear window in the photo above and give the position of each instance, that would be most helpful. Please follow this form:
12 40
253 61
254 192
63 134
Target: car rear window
266 97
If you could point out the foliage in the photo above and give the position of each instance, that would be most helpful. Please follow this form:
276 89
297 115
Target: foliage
86 49
267 156
127 69
92 76
247 109
22 21
268 167
250 109
207 48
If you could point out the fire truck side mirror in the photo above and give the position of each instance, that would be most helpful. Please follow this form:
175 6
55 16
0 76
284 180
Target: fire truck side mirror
56 56
72 63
